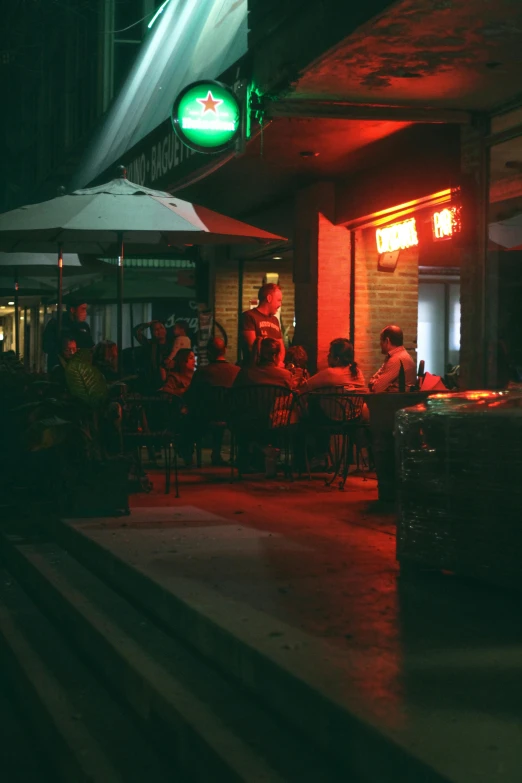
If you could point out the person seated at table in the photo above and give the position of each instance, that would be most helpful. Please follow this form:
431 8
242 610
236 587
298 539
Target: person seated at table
74 325
266 370
155 351
296 361
386 379
105 359
178 379
218 373
342 370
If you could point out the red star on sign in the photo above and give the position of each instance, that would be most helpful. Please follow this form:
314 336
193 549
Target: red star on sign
209 103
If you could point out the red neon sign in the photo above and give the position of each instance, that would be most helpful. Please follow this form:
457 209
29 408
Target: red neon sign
398 236
445 223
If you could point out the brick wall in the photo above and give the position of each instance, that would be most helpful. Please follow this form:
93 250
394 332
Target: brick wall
226 287
333 286
383 298
226 283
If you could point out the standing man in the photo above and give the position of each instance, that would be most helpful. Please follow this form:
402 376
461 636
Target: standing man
74 326
262 321
386 379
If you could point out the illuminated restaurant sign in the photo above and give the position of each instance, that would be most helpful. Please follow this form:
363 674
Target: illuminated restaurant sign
398 236
445 223
206 116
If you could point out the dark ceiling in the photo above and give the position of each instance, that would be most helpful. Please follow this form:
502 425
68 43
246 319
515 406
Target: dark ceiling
461 54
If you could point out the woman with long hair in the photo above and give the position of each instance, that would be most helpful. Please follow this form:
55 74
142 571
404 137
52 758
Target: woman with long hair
342 369
265 370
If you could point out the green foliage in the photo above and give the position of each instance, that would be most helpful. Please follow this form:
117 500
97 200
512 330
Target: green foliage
47 433
86 383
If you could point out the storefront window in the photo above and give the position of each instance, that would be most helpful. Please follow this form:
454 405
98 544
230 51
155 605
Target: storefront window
438 336
504 264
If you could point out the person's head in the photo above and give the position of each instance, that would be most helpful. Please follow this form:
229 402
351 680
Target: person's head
341 355
106 354
297 356
270 297
268 351
78 311
181 329
158 331
184 362
68 348
216 349
391 337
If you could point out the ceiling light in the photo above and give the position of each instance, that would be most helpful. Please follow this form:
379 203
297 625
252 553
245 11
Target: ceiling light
2 307
277 258
10 303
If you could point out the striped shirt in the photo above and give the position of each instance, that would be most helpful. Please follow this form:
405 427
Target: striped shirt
386 379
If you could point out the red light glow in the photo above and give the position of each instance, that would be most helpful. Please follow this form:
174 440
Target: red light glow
398 236
446 223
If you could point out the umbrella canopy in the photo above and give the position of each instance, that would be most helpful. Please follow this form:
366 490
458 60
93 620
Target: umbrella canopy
90 221
138 288
507 233
104 219
39 264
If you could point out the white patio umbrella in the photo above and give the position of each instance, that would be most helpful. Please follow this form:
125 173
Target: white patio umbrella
105 219
27 270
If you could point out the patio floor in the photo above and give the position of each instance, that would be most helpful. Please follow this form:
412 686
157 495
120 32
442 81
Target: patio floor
307 574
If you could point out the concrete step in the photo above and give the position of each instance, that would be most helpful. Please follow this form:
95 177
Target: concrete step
205 724
294 685
87 736
22 759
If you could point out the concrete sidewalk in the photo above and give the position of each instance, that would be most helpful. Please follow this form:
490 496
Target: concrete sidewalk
307 576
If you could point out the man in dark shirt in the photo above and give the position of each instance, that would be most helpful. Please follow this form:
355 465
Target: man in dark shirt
218 372
262 321
74 327
156 350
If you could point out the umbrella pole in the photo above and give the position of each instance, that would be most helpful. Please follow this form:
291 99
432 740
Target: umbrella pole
60 291
17 318
133 351
120 302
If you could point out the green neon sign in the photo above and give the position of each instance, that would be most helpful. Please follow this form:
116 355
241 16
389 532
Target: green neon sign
207 116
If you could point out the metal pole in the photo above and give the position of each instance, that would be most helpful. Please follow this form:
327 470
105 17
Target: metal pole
352 287
120 300
241 275
27 344
133 352
60 292
17 318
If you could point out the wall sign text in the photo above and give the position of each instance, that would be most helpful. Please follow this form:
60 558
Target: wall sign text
398 236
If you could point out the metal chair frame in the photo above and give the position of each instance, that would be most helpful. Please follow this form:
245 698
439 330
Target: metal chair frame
336 411
164 438
211 407
261 409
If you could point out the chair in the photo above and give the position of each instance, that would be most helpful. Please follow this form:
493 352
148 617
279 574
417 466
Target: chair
154 422
335 411
209 409
262 414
